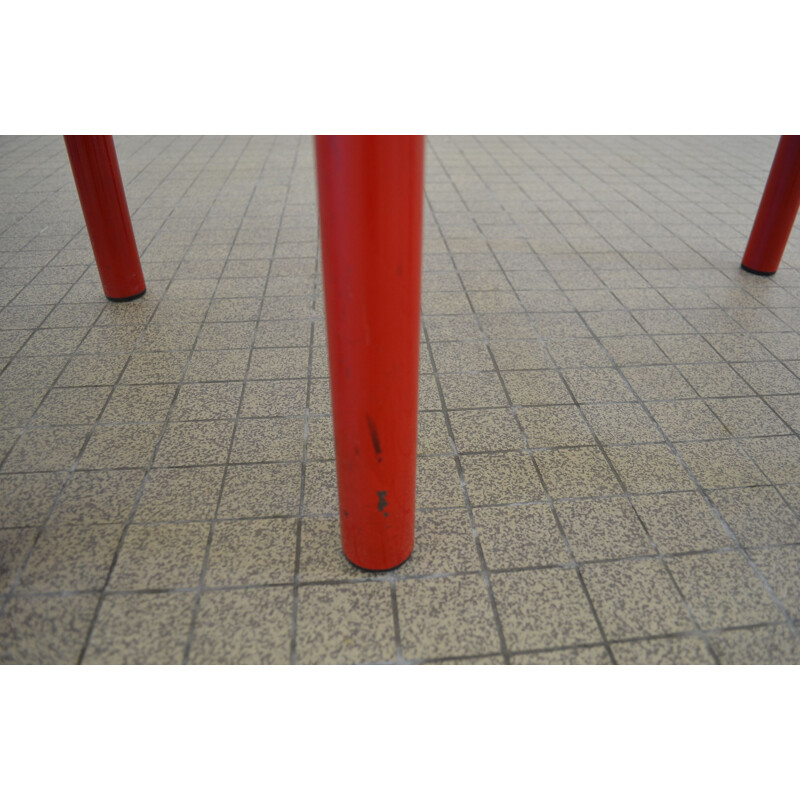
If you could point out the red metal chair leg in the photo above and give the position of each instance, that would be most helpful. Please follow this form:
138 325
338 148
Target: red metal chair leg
97 178
370 204
777 211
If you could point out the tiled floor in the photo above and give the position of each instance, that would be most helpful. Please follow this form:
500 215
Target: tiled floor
609 465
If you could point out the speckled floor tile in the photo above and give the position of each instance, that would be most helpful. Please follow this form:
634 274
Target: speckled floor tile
555 426
438 483
432 435
715 380
788 407
46 449
584 656
602 528
473 390
320 494
260 490
487 660
576 353
276 398
497 478
621 423
443 543
781 567
278 363
687 349
74 406
681 522
246 552
774 644
520 536
769 377
273 439
538 387
544 608
92 370
636 598
748 416
659 382
15 544
633 350
180 494
676 650
205 401
249 626
758 516
445 617
160 557
120 446
778 457
466 356
28 497
576 472
321 555
19 405
687 420
71 558
720 465
486 429
649 468
348 623
597 386
139 403
141 629
722 590
525 354
159 367
45 630
217 365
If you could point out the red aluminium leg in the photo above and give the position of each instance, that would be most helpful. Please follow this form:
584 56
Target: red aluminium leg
370 204
96 171
777 211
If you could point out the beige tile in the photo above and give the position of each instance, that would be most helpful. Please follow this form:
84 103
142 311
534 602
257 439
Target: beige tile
769 377
722 590
636 598
773 644
321 554
633 350
621 423
687 420
320 443
758 516
497 478
438 483
180 494
15 544
555 426
120 446
160 557
443 543
260 490
575 353
320 493
673 650
445 617
720 465
576 472
649 468
537 387
246 552
278 363
520 536
74 406
781 567
45 630
97 369
687 349
71 558
466 356
715 380
217 365
244 626
788 406
778 457
681 522
139 403
19 405
544 608
273 439
158 367
748 416
567 656
485 430
141 629
277 398
46 449
473 390
28 497
345 624
658 383
511 354
602 528
432 435
597 386
205 401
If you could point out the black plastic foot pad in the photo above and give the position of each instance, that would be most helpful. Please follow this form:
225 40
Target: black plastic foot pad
125 299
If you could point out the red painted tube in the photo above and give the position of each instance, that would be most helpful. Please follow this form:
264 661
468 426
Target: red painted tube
370 206
777 212
97 178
